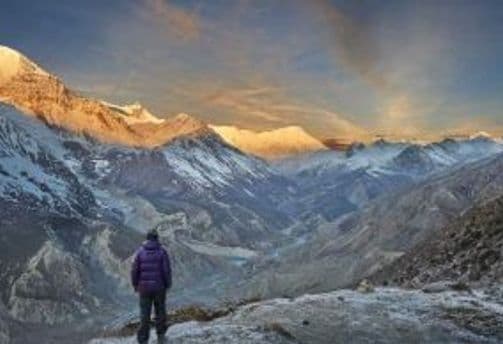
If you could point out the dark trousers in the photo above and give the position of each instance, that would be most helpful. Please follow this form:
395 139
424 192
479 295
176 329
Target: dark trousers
158 300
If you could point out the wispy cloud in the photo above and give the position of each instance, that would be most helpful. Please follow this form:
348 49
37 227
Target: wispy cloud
244 63
175 20
271 104
254 102
409 62
352 43
399 115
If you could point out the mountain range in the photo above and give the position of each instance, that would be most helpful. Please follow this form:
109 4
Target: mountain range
40 94
246 215
28 87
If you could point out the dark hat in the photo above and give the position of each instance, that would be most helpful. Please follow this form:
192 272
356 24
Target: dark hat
152 235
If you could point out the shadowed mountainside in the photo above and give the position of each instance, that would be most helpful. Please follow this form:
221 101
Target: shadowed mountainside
468 250
341 253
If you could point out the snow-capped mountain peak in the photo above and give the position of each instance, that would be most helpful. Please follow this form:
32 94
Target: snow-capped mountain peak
270 144
135 113
13 63
481 134
185 123
40 93
187 119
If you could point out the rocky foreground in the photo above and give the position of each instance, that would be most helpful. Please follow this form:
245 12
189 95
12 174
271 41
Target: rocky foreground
383 315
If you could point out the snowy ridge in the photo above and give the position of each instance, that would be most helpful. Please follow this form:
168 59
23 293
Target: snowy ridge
322 162
385 156
335 183
19 152
480 134
28 167
208 164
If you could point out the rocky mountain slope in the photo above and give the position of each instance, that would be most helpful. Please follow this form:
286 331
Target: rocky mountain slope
86 206
273 144
4 328
87 202
468 250
342 252
446 310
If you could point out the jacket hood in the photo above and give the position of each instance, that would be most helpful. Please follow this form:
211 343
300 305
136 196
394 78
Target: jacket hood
151 245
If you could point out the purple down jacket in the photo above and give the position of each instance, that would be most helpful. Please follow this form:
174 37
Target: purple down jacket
151 270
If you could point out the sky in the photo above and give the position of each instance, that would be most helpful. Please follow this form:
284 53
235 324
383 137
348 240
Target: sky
353 69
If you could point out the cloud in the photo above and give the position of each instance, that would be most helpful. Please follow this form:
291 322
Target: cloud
254 102
176 20
213 62
398 115
353 44
220 69
403 117
398 109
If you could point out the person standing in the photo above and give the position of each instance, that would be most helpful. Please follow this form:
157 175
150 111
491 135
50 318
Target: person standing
151 279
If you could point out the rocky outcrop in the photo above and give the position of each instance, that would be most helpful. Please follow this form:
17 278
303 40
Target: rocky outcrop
336 144
388 316
51 289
